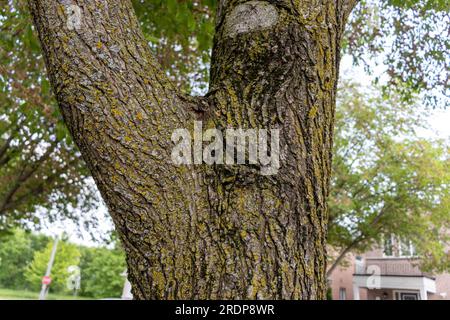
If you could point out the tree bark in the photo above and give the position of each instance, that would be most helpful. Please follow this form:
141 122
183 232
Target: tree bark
206 231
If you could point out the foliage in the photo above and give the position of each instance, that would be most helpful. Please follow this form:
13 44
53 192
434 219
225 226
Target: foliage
388 180
412 39
67 254
180 33
101 272
24 257
16 252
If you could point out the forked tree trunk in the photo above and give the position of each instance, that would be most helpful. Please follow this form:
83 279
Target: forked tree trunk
206 231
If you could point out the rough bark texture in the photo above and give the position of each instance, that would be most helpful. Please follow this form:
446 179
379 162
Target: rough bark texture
206 231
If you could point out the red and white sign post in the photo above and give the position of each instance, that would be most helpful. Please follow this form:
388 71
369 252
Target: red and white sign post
46 280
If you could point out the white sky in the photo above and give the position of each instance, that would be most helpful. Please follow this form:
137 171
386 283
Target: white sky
439 121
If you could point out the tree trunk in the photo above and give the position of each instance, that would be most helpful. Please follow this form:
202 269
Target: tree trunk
222 231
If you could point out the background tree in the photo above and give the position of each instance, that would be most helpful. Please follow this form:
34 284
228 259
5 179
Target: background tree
102 272
16 253
23 253
180 35
67 255
408 40
238 234
387 180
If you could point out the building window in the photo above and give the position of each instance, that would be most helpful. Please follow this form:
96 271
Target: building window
412 249
406 295
388 246
396 247
404 249
342 294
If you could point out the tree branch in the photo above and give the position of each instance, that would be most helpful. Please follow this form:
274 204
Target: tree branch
355 242
348 6
343 254
24 176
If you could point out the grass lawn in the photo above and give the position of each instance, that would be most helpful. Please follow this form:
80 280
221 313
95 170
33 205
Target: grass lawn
10 294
